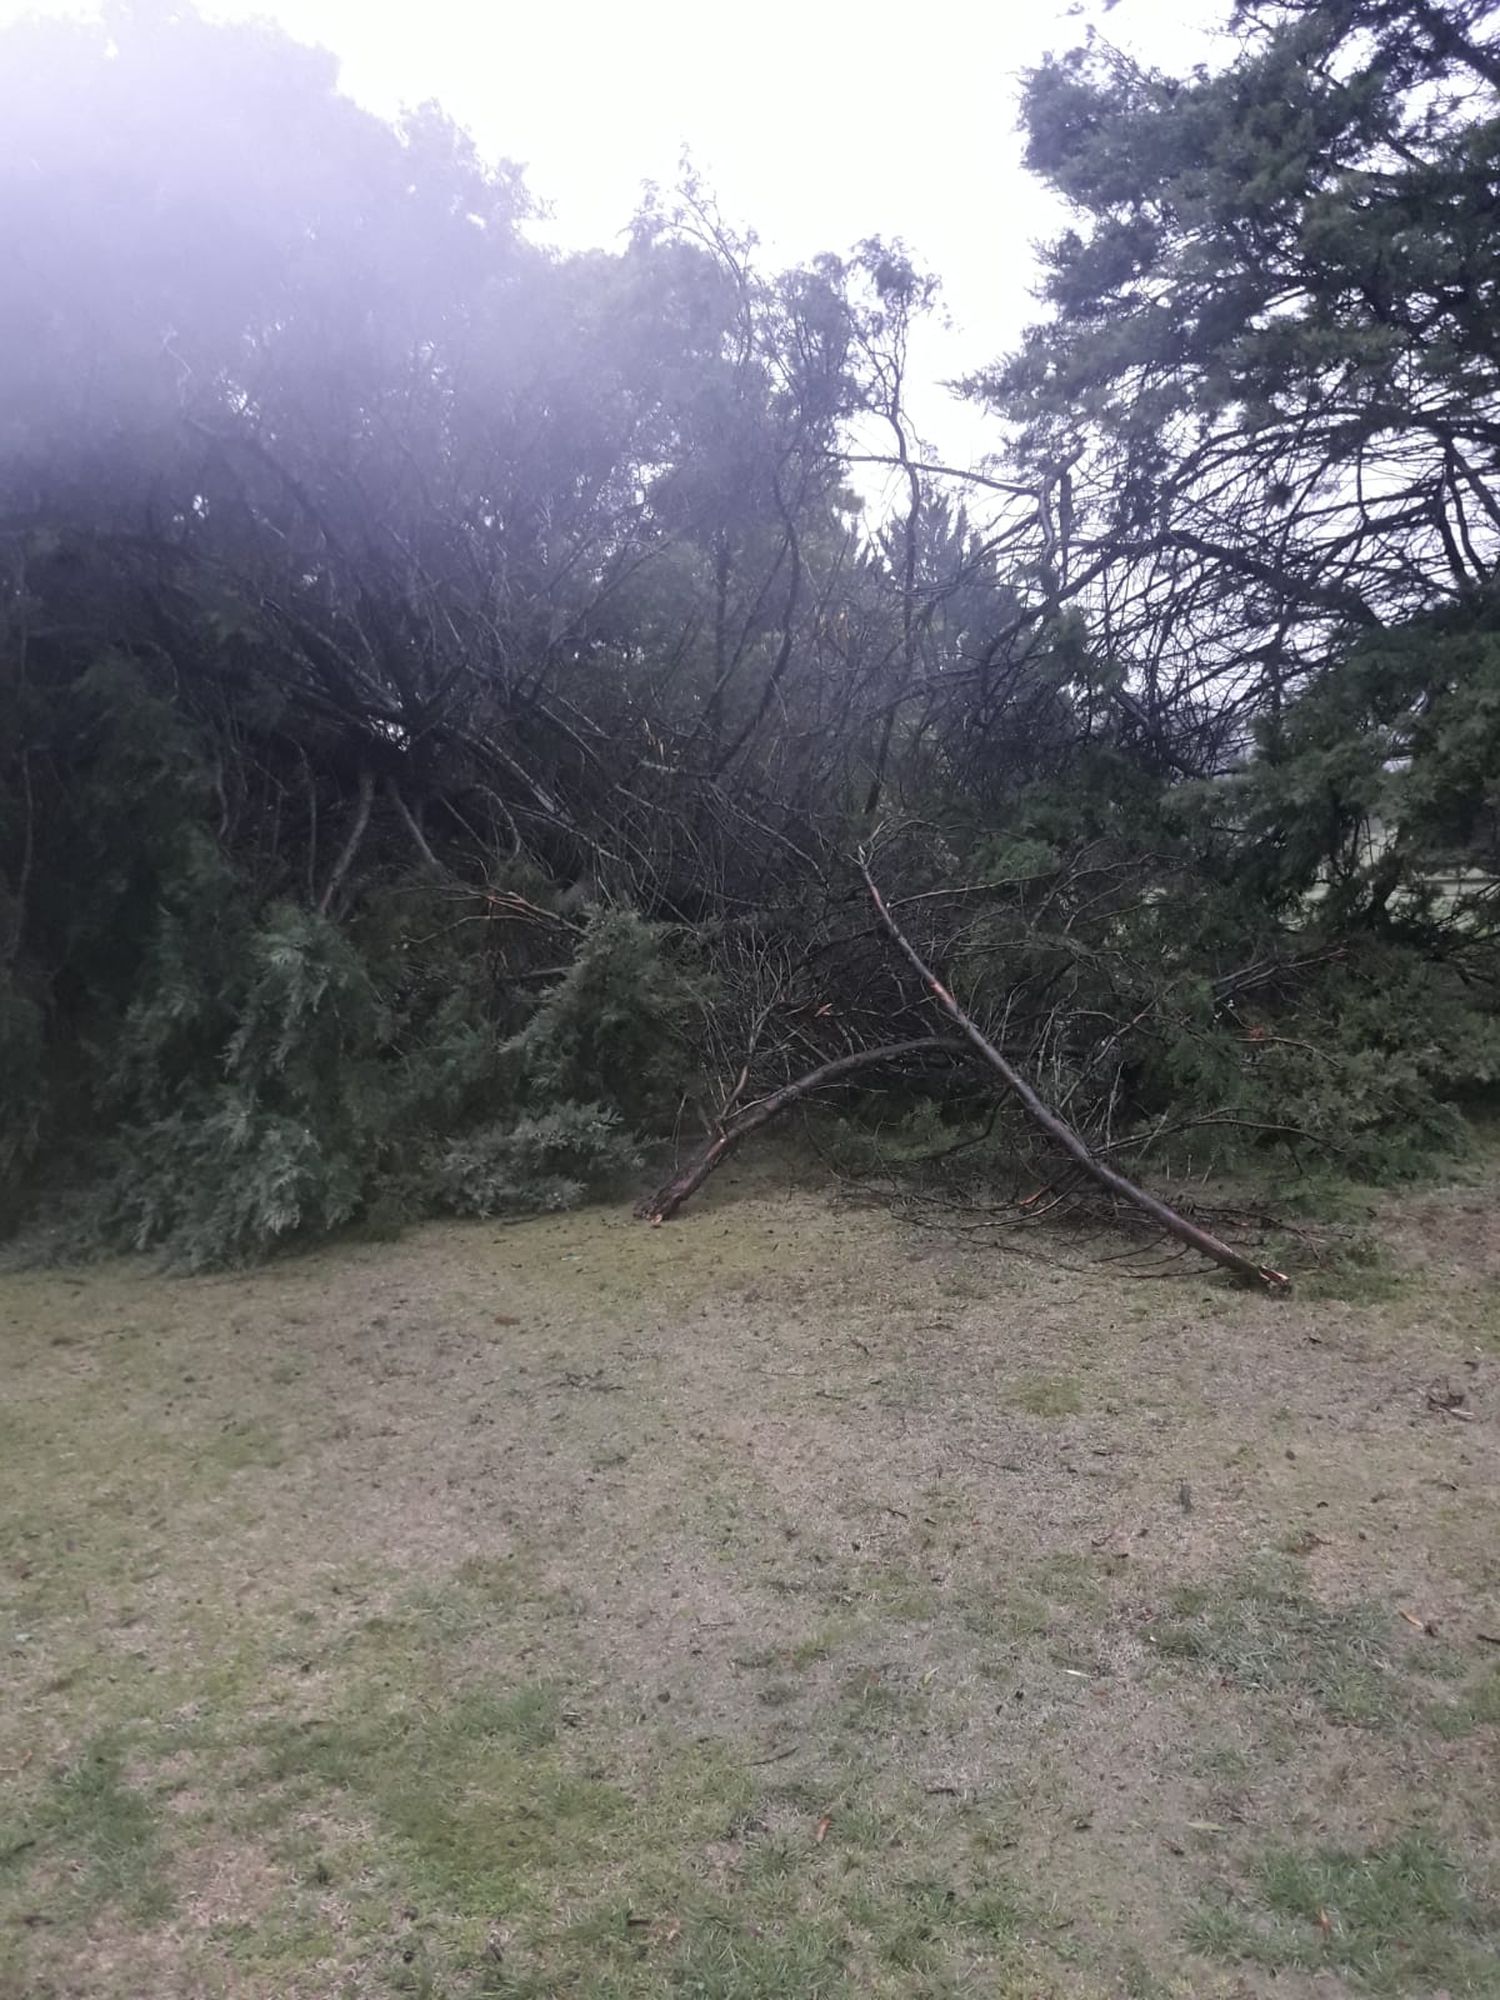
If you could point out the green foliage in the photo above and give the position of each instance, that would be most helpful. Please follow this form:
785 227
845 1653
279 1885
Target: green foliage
334 685
875 1137
331 1094
1363 1067
223 1183
251 1078
615 1028
544 1163
271 1057
1282 271
1379 784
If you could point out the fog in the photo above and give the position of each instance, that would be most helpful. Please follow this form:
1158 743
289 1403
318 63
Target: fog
815 125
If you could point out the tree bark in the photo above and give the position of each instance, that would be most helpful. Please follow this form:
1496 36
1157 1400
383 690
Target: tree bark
351 846
664 1204
1057 1129
419 839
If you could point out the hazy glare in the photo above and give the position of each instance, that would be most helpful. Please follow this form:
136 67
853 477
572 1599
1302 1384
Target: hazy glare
815 124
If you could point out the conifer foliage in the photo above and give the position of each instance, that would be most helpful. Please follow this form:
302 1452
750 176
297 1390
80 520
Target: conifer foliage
443 682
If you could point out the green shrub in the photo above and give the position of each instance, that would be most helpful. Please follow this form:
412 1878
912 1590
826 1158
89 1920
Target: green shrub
273 1082
224 1183
616 1028
538 1163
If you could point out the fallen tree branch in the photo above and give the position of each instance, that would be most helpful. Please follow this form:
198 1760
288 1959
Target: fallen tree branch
1057 1129
664 1204
419 840
351 846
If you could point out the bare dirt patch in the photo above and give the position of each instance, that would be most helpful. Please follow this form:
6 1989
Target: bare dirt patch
776 1603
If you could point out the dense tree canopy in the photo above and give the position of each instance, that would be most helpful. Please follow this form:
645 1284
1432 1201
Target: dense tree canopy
443 682
1265 408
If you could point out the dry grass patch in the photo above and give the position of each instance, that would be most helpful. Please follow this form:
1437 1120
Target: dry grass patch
777 1604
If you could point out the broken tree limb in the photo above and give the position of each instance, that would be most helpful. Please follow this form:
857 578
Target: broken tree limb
664 1204
351 846
1057 1129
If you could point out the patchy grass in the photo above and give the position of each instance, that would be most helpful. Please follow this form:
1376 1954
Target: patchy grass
1398 1919
463 1789
1048 1396
96 1835
1353 1266
774 1605
1261 1630
1476 1706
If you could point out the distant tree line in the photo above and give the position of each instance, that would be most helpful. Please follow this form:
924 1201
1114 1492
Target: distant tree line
445 683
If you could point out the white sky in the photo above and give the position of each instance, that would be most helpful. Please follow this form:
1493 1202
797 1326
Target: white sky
815 123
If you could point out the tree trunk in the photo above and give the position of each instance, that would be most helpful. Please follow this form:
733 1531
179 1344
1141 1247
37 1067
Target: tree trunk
351 846
664 1204
1057 1129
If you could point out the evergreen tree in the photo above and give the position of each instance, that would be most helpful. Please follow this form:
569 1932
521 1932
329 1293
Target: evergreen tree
1264 409
442 682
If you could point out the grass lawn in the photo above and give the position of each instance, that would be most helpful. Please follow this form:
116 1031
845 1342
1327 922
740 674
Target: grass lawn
780 1603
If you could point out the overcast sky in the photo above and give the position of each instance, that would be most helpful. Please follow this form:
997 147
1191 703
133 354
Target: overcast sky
816 123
